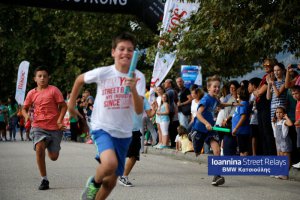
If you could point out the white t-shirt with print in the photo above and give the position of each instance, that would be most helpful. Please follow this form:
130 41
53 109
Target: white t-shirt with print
113 110
194 107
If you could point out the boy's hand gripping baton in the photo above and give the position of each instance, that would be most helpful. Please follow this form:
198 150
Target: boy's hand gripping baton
131 69
226 130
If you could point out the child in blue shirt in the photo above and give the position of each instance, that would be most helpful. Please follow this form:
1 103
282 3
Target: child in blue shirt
241 122
204 120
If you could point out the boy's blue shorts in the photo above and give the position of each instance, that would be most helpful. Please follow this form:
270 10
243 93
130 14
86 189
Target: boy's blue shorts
105 141
200 138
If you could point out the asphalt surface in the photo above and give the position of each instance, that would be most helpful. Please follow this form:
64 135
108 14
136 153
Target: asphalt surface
167 176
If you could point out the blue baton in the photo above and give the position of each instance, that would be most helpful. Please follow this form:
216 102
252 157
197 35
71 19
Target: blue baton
131 69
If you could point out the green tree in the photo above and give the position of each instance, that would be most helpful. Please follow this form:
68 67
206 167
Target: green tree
67 42
228 37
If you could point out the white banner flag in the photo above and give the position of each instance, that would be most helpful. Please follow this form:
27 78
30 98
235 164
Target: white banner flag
22 82
175 12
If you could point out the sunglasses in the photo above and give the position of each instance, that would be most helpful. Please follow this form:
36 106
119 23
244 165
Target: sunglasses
267 65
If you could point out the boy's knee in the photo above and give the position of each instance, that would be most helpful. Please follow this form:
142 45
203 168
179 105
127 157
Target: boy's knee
40 153
109 167
53 156
40 147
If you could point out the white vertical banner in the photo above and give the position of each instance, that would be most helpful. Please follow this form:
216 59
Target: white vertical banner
175 12
22 82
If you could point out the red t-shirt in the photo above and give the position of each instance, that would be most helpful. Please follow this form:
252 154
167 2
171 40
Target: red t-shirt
297 114
45 102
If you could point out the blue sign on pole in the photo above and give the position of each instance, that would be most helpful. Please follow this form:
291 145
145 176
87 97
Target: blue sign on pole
189 74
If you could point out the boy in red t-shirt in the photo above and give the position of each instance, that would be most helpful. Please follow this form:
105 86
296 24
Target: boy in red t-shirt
296 95
49 110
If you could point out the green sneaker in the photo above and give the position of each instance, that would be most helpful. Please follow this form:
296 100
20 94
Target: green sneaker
90 190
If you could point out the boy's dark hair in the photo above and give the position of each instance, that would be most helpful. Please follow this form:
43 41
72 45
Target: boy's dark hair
255 81
296 88
123 37
212 78
243 92
41 68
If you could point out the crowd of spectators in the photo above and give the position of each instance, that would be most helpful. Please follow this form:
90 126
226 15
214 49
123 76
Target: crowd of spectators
272 107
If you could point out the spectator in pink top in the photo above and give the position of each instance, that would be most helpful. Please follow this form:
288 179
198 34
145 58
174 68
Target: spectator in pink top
49 110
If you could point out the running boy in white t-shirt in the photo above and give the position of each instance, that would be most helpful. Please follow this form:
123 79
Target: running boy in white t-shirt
111 120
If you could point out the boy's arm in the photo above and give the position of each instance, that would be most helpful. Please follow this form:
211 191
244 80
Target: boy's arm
136 98
137 101
222 105
239 124
79 82
25 112
202 119
63 109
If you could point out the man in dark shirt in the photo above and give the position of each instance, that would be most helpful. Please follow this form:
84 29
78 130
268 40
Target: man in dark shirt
184 103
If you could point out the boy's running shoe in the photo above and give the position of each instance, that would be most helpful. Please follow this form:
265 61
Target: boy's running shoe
123 180
90 190
297 165
218 180
44 185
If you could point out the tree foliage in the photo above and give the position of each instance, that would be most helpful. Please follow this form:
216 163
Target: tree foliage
67 42
227 37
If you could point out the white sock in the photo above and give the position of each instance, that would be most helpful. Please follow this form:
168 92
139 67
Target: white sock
44 178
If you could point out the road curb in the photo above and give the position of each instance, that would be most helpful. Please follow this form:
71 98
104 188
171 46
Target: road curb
190 156
294 173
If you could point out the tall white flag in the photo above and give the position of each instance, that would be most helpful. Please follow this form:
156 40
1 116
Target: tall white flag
175 12
22 82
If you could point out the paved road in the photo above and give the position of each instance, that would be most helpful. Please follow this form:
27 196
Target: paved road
155 178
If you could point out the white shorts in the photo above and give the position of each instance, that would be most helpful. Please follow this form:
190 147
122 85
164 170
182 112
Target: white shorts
164 127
